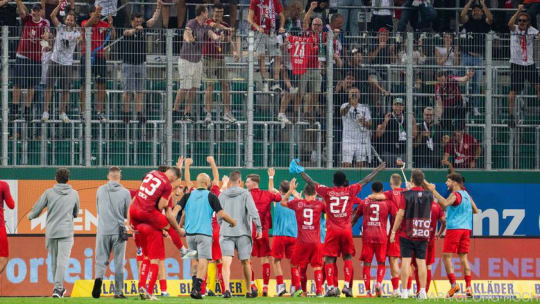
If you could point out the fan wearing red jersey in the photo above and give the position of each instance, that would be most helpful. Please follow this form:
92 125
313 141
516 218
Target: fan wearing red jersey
374 235
261 247
338 241
308 248
5 196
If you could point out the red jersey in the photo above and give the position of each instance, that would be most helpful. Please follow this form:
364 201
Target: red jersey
394 196
462 149
213 48
303 50
308 220
99 33
375 215
436 214
215 190
5 196
29 44
449 92
265 13
155 186
263 200
339 205
133 192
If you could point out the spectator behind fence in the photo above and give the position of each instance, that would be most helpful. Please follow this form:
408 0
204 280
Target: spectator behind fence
476 27
462 147
65 7
450 108
410 11
102 33
393 132
533 9
28 58
383 53
382 15
190 66
322 10
61 65
447 55
133 65
356 118
293 16
522 65
350 15
427 147
214 64
263 16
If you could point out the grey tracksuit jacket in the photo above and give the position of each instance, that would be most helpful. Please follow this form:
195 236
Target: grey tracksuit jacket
239 204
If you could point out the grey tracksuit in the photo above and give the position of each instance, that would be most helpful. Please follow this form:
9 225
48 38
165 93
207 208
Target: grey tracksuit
62 203
112 201
239 204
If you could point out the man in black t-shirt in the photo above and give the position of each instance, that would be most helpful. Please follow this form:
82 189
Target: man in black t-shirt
133 69
473 48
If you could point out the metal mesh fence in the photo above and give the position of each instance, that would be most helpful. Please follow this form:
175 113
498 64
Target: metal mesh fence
97 95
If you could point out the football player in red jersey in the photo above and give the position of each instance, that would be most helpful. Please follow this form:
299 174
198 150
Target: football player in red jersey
338 241
261 247
374 235
5 196
308 248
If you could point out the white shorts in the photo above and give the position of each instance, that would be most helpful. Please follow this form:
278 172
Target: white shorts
190 74
354 150
266 45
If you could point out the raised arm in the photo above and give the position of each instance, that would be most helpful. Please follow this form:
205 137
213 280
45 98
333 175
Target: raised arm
464 16
372 175
155 16
271 173
307 15
187 174
466 77
188 35
95 17
442 201
23 11
215 172
54 14
489 16
381 128
308 179
512 21
292 188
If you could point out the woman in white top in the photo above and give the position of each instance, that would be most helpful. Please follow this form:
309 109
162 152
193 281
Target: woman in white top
448 54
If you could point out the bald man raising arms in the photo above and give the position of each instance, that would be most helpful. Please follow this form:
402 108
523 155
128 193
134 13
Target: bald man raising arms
198 206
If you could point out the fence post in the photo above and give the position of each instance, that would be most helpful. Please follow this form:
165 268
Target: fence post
410 108
5 94
250 100
489 100
88 99
329 99
169 107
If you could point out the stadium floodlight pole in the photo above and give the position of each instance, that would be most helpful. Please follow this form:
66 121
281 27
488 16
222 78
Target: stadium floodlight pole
250 99
168 116
88 99
410 110
329 99
5 101
489 92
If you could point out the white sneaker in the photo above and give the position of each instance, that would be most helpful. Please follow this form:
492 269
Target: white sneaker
228 117
422 295
208 118
64 117
405 294
280 290
187 253
153 298
165 294
396 293
45 116
293 90
144 294
283 118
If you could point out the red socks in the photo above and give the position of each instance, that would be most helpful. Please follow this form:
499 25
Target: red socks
395 283
318 280
279 279
417 280
295 281
303 278
336 279
143 275
348 270
381 269
367 277
203 286
163 285
329 269
220 276
467 281
452 278
266 273
175 238
152 274
428 279
409 282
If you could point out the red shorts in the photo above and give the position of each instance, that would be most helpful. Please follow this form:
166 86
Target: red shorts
338 243
139 244
393 249
216 249
154 218
261 247
457 241
368 249
154 245
304 254
430 254
283 246
4 246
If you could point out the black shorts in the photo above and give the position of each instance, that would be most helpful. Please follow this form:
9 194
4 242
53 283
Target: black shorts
27 73
410 248
99 69
521 74
292 78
